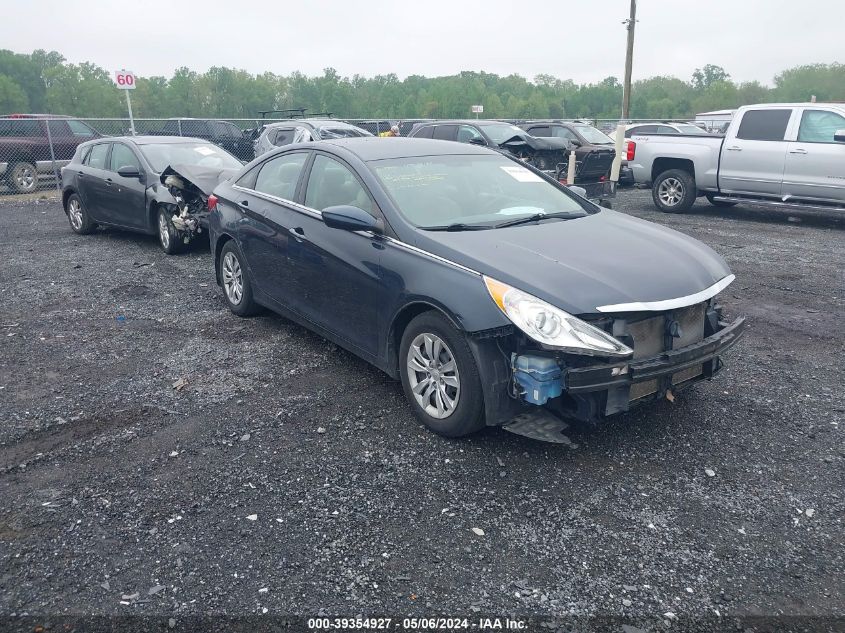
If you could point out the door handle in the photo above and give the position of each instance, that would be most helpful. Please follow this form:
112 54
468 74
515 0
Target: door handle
734 148
798 151
298 233
244 203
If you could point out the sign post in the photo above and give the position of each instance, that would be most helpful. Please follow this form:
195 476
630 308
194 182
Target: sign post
125 80
477 109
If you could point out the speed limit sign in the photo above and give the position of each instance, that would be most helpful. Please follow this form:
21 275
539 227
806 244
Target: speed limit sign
125 79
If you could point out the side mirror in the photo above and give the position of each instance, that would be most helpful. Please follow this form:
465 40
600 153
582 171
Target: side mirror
574 142
578 190
129 172
839 136
350 218
477 140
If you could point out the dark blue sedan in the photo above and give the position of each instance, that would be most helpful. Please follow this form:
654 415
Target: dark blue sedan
493 292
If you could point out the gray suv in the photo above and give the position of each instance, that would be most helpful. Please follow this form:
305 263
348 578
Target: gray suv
301 130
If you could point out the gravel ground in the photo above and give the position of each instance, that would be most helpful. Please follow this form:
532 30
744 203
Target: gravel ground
159 455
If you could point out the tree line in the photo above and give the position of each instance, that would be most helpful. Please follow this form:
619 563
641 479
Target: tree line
45 82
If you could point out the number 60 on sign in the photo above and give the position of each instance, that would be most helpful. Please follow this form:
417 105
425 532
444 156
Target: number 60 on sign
125 79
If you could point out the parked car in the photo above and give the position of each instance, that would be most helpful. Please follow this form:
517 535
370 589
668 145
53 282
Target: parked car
594 150
222 133
639 129
300 130
550 154
25 152
777 155
151 184
488 288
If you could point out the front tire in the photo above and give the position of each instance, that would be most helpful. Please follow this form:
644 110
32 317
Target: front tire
237 287
719 203
440 378
77 216
674 191
23 177
168 237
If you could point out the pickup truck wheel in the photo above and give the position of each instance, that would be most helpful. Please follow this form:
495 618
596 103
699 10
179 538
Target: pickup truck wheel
23 177
674 191
719 203
440 377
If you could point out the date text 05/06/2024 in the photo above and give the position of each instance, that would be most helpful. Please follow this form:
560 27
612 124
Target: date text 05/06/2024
417 624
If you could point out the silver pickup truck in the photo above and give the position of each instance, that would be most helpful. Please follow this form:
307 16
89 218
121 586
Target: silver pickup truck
783 155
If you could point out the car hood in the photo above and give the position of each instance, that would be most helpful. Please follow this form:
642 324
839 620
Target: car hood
199 179
601 259
544 143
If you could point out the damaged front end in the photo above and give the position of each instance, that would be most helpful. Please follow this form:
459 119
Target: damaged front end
191 188
649 356
550 155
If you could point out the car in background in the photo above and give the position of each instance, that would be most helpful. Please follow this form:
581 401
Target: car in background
641 129
28 151
127 182
594 150
488 288
301 130
222 133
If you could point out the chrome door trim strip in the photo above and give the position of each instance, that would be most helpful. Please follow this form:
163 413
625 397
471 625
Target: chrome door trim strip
670 304
289 203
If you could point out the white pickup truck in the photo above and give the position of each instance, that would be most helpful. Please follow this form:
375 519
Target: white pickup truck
782 155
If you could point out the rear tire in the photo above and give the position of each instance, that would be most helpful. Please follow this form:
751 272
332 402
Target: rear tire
23 177
440 378
719 203
674 191
234 278
77 216
168 236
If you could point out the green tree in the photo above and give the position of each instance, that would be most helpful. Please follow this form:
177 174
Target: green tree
12 96
705 77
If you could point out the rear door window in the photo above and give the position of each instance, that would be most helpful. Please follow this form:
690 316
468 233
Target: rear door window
198 129
445 132
764 125
279 176
565 132
543 130
424 132
665 129
819 126
283 137
78 128
21 127
96 159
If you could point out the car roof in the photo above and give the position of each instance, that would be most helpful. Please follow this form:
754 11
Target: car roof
311 122
369 148
465 122
149 140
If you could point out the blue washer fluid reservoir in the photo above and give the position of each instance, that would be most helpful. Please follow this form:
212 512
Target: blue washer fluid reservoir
538 376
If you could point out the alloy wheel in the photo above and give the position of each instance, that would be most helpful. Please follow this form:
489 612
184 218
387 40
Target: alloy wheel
74 212
163 231
233 279
25 178
433 375
671 192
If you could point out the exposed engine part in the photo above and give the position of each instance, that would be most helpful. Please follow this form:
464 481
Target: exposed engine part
189 208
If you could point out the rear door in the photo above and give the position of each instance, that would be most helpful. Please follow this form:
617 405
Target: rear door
815 163
125 198
445 132
91 180
265 197
754 155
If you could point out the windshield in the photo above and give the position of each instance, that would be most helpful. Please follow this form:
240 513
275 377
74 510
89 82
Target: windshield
198 154
501 132
342 132
480 190
686 128
592 135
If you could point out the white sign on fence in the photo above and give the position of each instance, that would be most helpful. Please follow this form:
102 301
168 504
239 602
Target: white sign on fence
124 79
478 109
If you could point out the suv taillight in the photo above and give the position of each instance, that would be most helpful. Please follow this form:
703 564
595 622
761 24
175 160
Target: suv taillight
212 202
630 150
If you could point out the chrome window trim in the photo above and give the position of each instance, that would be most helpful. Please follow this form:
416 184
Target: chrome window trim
290 203
670 304
424 253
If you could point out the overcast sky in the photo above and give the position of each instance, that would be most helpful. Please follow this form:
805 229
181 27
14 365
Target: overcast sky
582 40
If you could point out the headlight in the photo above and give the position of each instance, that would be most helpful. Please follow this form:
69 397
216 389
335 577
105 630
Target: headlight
552 326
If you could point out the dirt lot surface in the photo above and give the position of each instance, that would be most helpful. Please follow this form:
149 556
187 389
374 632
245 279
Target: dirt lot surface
159 455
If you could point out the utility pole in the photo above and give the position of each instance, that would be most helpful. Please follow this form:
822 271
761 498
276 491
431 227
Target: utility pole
629 60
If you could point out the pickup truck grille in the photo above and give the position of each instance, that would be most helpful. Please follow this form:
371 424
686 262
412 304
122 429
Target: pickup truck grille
650 339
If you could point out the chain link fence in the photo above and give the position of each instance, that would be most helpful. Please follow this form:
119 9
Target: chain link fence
33 148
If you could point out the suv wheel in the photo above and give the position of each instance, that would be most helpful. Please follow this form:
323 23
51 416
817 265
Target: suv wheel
674 191
440 377
23 177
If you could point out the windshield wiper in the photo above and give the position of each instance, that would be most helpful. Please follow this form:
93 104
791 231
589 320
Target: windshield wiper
563 215
457 226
